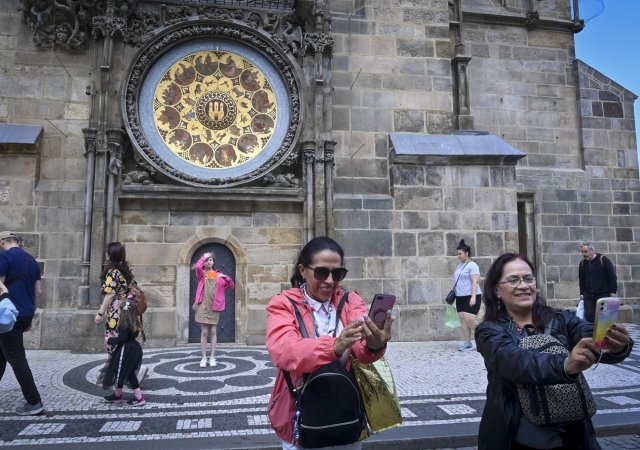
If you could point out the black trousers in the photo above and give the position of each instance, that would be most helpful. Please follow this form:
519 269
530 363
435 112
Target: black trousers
590 300
12 352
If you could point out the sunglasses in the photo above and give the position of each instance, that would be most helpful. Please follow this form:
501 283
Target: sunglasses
322 273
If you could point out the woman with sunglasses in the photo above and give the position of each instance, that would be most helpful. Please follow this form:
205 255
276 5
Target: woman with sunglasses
514 310
316 293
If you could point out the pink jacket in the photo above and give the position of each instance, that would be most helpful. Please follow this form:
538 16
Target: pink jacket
222 282
290 351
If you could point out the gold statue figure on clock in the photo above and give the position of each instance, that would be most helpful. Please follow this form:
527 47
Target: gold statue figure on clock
215 109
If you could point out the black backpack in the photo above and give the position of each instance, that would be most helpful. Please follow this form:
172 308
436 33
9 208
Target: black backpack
329 409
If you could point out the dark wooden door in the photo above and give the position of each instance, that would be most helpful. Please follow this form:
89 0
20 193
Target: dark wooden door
227 264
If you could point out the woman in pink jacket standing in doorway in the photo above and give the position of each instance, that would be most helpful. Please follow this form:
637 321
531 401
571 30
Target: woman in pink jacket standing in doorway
209 301
316 292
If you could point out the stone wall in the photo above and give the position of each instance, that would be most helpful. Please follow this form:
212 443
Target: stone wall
45 192
582 165
399 222
162 243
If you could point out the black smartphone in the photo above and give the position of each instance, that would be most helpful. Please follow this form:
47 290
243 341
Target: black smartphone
379 306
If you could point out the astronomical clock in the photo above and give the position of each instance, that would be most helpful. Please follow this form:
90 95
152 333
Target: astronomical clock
212 111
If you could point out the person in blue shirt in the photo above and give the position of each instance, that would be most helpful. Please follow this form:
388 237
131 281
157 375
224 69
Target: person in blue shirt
20 273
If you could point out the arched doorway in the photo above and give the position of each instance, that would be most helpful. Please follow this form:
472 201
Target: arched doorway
225 261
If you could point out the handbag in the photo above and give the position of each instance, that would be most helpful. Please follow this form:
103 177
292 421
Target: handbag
379 394
553 404
451 296
451 319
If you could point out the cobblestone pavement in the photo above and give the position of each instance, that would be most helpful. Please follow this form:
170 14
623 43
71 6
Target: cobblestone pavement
440 389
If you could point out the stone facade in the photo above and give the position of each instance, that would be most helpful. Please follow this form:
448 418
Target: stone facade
365 70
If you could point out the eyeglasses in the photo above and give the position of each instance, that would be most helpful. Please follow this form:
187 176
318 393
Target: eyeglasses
515 281
322 273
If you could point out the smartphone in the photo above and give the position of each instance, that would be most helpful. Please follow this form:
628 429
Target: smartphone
379 306
607 310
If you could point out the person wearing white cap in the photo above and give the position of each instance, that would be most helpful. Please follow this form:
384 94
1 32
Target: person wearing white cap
20 273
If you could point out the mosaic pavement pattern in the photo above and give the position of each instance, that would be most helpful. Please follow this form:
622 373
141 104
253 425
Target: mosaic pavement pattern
436 385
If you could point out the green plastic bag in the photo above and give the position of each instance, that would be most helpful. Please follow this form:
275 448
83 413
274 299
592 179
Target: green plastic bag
451 317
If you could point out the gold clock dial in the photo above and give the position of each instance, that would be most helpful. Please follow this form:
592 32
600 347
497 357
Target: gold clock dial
215 109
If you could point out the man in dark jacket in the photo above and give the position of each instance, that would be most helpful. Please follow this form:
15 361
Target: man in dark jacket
21 274
597 277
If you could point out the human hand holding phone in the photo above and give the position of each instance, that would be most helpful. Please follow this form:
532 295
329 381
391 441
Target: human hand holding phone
379 306
606 315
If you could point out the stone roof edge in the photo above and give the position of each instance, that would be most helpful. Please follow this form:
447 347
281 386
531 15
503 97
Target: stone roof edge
587 66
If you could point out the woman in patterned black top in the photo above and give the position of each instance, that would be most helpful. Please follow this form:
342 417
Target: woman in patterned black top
116 278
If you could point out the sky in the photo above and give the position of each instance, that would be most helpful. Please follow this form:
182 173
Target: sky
610 42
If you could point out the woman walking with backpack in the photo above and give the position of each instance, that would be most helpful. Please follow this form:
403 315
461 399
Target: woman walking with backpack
336 330
116 279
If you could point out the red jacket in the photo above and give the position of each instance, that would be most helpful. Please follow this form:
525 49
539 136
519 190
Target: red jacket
290 351
222 282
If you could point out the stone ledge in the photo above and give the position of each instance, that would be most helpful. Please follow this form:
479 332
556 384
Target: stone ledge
20 139
471 148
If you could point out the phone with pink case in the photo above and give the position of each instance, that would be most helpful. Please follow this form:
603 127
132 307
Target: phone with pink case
607 310
379 306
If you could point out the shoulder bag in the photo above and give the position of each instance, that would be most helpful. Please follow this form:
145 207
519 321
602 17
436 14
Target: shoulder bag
451 296
553 404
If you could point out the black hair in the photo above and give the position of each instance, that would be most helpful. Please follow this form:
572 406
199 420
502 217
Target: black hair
308 252
493 305
117 260
129 319
464 247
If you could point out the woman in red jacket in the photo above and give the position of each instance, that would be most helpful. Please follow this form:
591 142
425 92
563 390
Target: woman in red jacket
209 301
316 293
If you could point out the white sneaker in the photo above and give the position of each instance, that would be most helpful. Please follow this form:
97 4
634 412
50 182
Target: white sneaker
203 362
213 362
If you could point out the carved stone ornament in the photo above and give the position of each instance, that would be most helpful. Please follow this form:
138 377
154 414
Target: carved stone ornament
532 19
286 180
212 104
317 43
136 177
68 24
60 23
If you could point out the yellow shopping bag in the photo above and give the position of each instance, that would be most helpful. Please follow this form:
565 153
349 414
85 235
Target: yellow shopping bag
378 394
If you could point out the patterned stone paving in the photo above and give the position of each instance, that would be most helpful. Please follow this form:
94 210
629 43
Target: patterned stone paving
436 385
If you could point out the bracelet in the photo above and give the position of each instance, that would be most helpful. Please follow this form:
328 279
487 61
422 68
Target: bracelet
377 350
99 313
